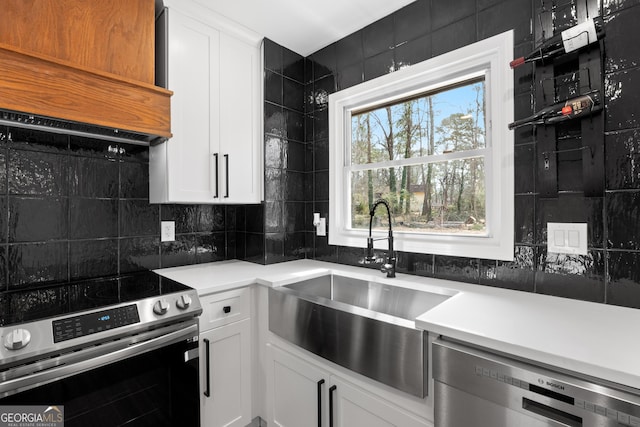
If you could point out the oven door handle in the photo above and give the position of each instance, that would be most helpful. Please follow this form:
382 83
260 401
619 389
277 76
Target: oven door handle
52 369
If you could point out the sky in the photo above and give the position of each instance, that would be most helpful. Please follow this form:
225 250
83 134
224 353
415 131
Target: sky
446 103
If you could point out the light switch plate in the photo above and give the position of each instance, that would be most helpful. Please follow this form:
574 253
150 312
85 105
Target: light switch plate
321 229
167 231
567 238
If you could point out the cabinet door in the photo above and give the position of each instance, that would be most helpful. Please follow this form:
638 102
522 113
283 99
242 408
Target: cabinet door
229 373
194 77
353 407
240 122
293 388
215 154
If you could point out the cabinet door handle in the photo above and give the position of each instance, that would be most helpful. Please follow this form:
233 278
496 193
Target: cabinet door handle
207 390
215 156
226 171
320 402
331 390
226 309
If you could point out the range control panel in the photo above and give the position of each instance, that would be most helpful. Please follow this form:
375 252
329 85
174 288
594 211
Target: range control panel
87 324
621 417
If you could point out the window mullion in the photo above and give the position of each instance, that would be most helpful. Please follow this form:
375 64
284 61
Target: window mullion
458 155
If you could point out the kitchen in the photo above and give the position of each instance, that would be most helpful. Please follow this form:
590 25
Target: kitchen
78 209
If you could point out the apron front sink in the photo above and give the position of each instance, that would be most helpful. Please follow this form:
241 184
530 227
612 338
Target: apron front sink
363 325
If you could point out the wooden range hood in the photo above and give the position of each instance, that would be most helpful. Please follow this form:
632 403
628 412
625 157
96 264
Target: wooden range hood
82 64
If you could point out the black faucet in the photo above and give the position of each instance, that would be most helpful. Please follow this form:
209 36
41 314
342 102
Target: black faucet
389 266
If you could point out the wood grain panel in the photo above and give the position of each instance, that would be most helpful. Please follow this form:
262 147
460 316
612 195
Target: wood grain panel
116 36
49 87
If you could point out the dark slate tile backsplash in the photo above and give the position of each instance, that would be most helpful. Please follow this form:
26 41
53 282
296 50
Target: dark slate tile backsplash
286 156
73 208
425 28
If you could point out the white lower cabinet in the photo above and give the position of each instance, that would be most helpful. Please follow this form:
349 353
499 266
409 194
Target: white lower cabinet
355 407
301 394
295 390
225 361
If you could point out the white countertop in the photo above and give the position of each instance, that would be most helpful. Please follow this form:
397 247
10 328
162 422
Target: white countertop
589 338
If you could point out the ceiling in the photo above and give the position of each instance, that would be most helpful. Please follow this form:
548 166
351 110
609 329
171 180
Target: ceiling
304 26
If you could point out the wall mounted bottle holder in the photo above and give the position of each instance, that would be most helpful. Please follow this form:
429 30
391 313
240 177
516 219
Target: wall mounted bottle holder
564 78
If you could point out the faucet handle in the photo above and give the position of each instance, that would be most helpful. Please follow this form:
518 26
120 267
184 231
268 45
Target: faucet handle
389 268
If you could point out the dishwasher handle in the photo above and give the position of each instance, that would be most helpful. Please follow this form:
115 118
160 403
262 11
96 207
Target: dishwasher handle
554 414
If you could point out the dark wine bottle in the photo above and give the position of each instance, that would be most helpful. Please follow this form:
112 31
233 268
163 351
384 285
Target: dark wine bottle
570 109
567 41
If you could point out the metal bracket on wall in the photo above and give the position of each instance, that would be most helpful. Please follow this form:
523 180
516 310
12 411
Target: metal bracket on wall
592 128
547 173
547 170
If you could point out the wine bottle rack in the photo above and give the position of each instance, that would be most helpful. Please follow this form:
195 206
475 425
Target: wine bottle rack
563 78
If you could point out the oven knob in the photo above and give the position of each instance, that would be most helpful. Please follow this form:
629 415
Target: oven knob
161 307
183 302
17 339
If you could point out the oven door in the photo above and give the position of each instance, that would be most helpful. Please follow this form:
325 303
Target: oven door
150 379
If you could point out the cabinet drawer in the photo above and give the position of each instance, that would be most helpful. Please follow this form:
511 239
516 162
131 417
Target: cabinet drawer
224 308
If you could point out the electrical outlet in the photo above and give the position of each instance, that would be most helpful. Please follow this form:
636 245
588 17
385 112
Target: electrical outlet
567 238
320 224
321 229
168 231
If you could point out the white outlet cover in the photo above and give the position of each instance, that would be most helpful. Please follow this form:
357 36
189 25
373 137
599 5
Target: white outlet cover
321 228
567 238
167 231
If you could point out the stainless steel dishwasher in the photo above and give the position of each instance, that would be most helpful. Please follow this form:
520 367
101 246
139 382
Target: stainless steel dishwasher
474 387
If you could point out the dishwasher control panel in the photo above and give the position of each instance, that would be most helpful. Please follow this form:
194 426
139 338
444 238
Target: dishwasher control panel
480 387
621 417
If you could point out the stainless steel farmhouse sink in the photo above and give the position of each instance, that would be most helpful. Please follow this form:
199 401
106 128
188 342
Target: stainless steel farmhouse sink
365 326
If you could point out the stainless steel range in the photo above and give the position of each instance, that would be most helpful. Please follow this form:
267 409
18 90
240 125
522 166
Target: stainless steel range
116 351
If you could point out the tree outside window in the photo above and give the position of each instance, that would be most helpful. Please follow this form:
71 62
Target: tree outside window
425 156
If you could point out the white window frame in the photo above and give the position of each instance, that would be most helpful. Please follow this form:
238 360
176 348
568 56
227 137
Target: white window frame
489 57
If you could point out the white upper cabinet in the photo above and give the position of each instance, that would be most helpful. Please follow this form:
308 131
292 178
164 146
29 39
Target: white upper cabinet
215 154
241 159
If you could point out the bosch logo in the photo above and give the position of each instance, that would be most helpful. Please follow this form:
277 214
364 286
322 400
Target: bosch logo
556 386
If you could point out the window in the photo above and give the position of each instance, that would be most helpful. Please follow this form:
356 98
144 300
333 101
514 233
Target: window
425 156
432 139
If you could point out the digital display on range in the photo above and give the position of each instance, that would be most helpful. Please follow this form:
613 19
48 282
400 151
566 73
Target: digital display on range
87 324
